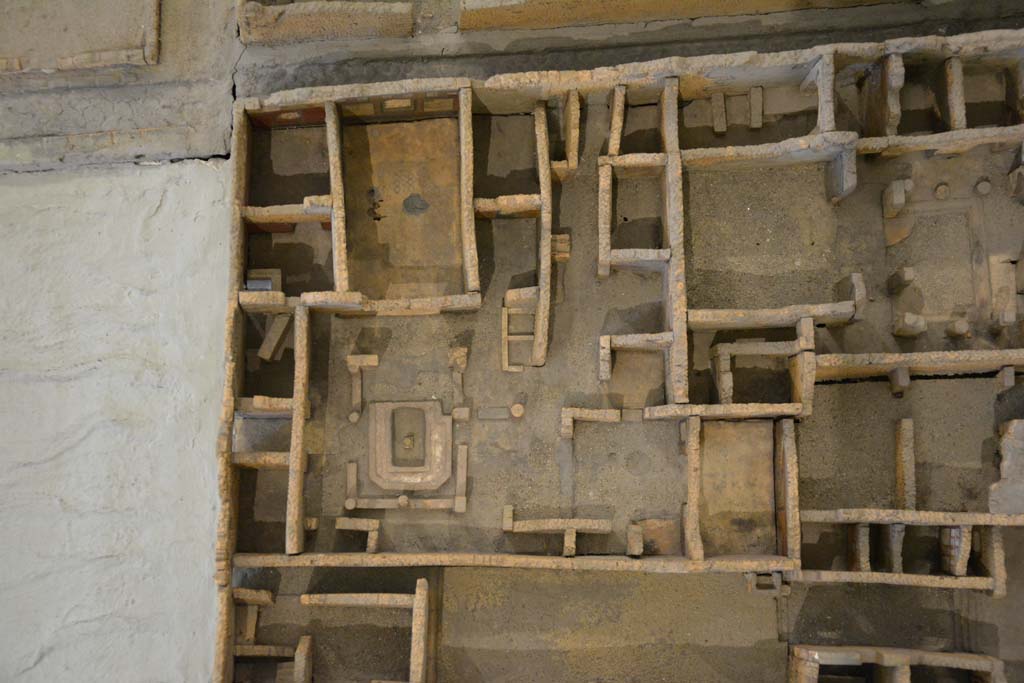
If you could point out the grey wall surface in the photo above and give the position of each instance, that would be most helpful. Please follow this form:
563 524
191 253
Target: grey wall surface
111 345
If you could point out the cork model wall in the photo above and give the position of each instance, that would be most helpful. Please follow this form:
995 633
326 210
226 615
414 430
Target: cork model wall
493 323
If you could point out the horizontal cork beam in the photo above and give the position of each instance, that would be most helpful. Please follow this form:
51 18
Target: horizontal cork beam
655 341
836 313
557 526
982 583
333 301
831 366
651 160
400 503
726 564
356 524
647 259
273 25
285 214
715 411
949 142
386 600
267 407
909 517
853 655
356 304
802 150
424 305
508 206
748 348
267 302
287 100
257 460
267 651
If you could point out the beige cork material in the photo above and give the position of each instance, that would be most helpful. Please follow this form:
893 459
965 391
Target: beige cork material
691 518
542 314
295 513
339 251
804 661
467 218
787 492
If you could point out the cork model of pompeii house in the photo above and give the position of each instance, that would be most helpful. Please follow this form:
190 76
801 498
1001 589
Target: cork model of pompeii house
473 287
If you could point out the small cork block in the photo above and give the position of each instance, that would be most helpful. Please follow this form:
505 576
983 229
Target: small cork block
634 540
958 328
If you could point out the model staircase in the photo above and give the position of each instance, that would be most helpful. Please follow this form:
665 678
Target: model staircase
518 302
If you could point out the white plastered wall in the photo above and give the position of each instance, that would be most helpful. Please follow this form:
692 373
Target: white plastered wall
112 290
